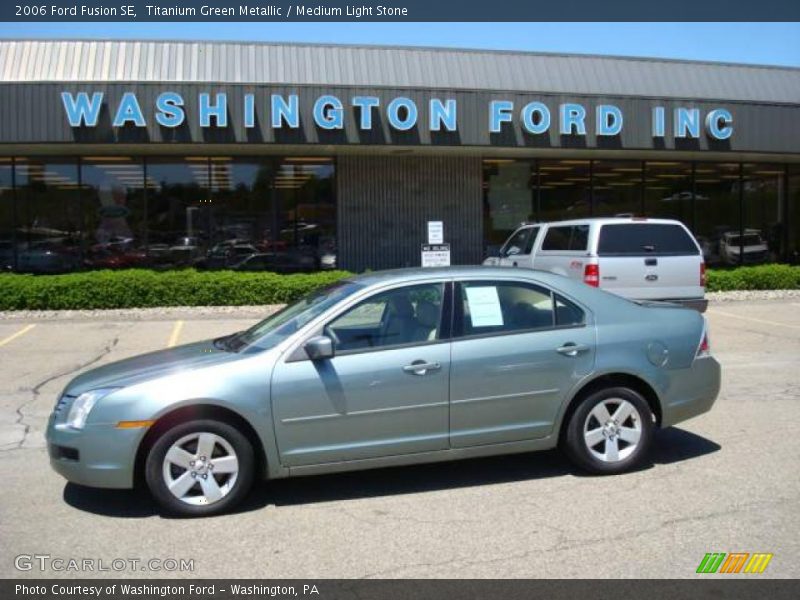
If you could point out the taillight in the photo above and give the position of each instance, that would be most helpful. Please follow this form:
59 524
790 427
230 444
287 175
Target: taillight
591 275
702 274
705 348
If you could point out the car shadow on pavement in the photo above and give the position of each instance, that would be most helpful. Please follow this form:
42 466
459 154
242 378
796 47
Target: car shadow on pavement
110 503
672 445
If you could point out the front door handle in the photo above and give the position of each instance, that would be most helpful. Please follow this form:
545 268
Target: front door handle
420 367
572 349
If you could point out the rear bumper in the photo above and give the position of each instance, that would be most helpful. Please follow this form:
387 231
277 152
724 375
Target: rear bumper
692 391
698 304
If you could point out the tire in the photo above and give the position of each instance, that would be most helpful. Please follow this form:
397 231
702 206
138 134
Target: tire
228 468
619 422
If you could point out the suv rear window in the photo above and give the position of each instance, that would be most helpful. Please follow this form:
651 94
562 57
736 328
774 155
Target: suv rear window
650 239
567 237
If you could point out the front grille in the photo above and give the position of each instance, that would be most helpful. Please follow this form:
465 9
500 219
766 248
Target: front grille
63 401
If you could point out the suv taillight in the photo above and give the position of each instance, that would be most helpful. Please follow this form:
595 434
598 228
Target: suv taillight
591 275
702 274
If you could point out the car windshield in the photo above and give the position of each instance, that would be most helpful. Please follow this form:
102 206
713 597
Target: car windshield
279 326
747 240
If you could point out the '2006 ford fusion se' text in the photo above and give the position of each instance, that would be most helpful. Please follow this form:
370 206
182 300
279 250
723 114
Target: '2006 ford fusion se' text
387 369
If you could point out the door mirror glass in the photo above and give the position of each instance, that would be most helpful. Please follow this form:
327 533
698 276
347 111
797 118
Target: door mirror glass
319 347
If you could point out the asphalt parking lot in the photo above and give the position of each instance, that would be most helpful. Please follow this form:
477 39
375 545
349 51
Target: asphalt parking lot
724 482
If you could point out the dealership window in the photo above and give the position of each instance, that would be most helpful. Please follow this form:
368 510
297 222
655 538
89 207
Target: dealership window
617 188
113 199
254 213
717 218
764 220
668 190
241 212
49 216
507 199
7 226
306 225
564 189
178 210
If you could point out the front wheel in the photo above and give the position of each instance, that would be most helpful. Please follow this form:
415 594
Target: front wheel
610 432
200 468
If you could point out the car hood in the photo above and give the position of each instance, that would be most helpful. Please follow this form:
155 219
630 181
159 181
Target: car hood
144 367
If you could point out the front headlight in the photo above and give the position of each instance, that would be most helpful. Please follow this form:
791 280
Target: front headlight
83 405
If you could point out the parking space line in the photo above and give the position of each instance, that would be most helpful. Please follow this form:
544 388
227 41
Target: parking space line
14 336
176 333
715 311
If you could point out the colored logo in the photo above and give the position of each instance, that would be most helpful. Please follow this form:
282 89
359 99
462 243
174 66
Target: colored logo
734 562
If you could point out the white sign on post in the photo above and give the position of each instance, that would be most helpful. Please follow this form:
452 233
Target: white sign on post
435 255
435 232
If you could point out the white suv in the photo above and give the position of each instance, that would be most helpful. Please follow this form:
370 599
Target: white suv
638 258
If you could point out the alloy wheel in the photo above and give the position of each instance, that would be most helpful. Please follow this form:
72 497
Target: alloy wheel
612 430
200 468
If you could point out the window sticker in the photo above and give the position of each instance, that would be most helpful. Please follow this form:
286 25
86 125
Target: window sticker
484 306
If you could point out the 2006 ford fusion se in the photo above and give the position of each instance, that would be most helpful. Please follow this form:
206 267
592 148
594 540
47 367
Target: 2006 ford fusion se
388 369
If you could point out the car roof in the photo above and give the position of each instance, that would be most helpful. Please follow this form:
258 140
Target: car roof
480 271
604 221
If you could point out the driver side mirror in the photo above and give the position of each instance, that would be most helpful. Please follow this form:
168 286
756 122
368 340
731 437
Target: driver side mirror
319 347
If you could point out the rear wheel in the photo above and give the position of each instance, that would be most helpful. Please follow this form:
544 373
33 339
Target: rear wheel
610 432
200 468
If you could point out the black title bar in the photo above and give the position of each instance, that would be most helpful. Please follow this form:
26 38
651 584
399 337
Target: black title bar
733 588
398 10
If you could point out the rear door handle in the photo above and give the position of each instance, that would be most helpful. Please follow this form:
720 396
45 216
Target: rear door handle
419 367
572 349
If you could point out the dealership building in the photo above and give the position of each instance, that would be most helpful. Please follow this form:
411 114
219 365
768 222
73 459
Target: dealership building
299 157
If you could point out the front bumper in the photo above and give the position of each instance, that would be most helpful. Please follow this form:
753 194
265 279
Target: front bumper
96 456
692 391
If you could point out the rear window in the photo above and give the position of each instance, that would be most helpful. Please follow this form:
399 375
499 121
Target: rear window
649 239
567 237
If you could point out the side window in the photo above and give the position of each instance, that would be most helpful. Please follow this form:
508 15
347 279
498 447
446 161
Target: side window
557 238
485 307
567 314
567 237
580 238
517 243
531 240
399 316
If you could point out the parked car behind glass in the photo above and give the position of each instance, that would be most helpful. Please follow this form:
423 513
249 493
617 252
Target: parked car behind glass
748 249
